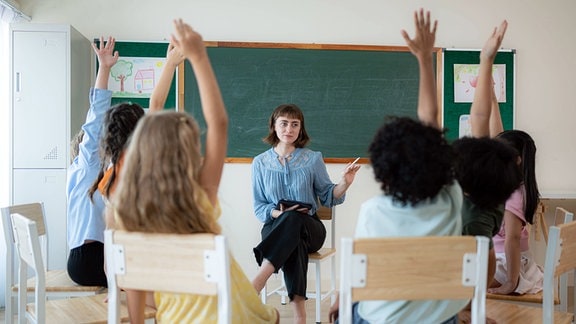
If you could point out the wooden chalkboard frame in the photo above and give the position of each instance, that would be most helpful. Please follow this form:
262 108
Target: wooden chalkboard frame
311 46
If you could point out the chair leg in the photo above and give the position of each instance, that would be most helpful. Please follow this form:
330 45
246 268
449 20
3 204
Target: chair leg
284 293
263 294
333 280
9 309
318 292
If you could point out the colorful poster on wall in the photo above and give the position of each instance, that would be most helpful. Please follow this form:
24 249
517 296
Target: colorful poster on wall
137 72
466 77
135 76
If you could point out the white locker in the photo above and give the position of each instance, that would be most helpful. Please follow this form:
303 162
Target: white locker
49 186
40 91
51 74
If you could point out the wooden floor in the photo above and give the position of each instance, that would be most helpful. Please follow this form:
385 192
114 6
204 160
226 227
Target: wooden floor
286 310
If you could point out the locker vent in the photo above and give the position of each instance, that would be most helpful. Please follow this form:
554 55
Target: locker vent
52 155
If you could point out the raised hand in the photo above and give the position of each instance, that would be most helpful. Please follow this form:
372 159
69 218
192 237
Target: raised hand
107 57
493 43
188 41
425 35
173 55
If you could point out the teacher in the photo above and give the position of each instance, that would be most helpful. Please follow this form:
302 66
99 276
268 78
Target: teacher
290 171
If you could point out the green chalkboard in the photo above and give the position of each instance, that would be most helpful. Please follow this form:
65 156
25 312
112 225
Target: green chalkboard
460 67
345 93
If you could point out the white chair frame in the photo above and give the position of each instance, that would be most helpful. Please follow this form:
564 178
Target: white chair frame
424 260
188 264
57 282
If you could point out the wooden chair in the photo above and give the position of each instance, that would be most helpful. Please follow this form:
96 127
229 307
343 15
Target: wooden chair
187 264
91 309
58 283
326 253
540 229
413 268
560 260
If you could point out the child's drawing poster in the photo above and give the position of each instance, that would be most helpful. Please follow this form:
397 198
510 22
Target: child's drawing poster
135 77
466 78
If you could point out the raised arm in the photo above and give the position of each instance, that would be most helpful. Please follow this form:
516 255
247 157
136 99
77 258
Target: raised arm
107 57
160 92
422 46
191 45
496 126
480 112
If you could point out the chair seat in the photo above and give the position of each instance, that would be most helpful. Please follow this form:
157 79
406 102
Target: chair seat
59 281
92 309
526 298
503 312
322 254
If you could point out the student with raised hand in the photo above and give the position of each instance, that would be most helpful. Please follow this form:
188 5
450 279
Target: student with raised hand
165 171
157 101
420 197
85 222
515 270
485 168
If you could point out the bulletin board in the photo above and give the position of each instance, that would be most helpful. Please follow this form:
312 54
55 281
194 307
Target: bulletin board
137 71
460 72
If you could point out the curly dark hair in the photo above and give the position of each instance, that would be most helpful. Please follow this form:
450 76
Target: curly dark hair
412 161
119 123
487 170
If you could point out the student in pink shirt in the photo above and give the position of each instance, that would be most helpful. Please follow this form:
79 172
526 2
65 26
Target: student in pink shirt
516 270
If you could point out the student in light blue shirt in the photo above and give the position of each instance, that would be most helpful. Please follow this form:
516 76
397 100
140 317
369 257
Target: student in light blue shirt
85 216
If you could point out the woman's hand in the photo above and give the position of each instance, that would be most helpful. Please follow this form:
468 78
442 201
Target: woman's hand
276 213
350 173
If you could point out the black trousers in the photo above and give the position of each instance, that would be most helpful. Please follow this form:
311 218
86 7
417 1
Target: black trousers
86 265
286 242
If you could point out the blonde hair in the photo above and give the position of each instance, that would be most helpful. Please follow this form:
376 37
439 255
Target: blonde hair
159 189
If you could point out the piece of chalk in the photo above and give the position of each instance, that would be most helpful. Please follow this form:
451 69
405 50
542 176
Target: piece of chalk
358 158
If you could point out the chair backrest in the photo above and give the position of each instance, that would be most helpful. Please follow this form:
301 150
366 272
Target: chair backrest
560 259
561 216
328 214
187 264
25 234
413 268
33 211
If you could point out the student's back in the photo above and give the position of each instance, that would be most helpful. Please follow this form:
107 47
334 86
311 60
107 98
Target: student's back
413 163
167 186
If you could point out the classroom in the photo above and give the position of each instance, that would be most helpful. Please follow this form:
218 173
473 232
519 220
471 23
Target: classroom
538 31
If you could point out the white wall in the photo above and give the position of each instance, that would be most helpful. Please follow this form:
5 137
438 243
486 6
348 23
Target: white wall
540 31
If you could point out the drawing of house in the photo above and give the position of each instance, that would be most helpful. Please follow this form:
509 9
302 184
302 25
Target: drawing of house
144 80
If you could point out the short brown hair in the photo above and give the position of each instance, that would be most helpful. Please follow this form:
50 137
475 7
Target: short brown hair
290 111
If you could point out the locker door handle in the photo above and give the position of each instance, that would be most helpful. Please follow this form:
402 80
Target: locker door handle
18 82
